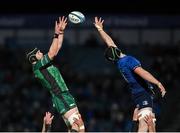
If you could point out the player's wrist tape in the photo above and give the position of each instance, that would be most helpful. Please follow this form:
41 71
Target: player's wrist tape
48 127
61 32
56 35
100 29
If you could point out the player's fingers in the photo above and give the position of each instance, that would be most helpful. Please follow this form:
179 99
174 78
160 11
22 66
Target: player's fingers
139 116
49 114
146 118
65 20
52 117
102 21
136 109
65 24
56 23
153 115
163 93
96 19
59 19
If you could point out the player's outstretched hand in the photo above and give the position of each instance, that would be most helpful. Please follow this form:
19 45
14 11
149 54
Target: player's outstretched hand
161 87
48 118
98 22
61 25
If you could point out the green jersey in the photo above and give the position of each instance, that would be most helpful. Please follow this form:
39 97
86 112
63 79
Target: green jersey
49 76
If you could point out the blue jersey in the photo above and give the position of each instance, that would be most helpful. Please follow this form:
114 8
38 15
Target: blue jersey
127 65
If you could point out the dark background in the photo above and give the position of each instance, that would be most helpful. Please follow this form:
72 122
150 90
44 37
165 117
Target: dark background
100 91
93 6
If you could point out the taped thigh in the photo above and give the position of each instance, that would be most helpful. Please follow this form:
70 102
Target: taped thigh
75 118
144 112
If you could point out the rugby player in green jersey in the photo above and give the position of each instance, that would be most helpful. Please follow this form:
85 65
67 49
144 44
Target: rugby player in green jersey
51 79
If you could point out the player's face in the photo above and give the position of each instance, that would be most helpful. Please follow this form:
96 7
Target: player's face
39 55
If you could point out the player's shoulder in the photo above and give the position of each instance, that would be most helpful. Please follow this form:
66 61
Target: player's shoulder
130 57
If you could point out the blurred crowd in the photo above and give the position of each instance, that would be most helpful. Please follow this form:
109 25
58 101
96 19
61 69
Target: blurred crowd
103 98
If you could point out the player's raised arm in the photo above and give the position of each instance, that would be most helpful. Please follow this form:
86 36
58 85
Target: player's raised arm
99 26
58 37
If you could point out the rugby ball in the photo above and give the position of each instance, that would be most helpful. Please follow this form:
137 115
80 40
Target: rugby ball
76 17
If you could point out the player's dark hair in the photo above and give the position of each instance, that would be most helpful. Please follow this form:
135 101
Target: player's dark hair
31 56
112 53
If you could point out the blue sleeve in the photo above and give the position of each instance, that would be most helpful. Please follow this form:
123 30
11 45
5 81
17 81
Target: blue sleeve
133 63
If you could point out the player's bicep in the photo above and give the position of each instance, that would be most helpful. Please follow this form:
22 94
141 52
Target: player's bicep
51 54
141 72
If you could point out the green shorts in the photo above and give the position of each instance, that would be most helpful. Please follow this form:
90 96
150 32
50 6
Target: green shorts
63 102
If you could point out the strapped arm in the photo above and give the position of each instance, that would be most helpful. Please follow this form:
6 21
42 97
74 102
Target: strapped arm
58 37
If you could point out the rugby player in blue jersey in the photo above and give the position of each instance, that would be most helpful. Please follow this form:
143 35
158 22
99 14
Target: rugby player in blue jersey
138 79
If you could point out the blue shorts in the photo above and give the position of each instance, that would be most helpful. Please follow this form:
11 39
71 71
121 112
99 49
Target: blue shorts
143 100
